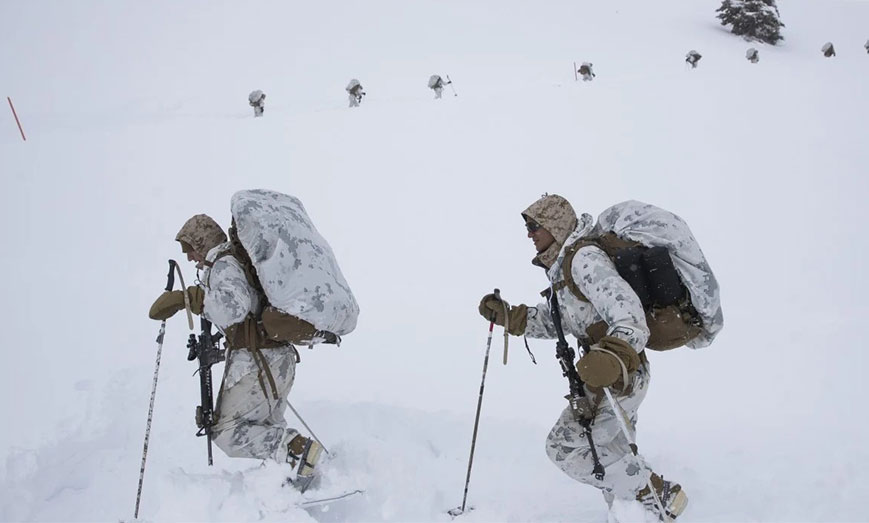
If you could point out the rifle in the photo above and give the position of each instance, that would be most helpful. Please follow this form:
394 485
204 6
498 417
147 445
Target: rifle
207 350
581 407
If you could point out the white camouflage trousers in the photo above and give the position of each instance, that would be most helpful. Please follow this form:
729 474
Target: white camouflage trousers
567 445
251 424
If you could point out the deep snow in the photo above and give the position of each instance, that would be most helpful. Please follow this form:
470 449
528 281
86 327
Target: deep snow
137 118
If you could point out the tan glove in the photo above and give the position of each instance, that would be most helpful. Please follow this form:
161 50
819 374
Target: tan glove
601 369
171 302
517 314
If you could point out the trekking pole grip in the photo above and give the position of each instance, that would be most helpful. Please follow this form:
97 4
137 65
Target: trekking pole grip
170 278
497 294
171 282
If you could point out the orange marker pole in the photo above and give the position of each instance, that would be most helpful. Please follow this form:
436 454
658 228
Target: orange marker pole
16 118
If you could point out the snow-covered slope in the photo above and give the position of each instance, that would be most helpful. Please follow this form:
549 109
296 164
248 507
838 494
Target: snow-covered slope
137 118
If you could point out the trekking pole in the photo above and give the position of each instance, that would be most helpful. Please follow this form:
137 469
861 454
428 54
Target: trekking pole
170 282
307 427
186 296
16 118
460 510
450 82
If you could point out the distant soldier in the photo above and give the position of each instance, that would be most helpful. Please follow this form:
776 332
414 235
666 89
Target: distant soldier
866 46
828 50
354 89
752 55
586 71
692 58
436 84
257 100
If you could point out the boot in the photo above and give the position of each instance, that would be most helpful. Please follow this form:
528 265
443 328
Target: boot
672 497
304 452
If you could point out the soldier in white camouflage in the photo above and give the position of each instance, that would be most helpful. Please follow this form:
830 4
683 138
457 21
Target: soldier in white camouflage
257 100
586 71
355 92
436 84
692 58
616 359
259 372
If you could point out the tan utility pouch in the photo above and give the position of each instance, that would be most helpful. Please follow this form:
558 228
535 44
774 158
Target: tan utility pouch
249 334
670 328
283 327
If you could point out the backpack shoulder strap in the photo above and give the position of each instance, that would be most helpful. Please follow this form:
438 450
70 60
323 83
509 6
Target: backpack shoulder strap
608 242
210 265
237 251
567 263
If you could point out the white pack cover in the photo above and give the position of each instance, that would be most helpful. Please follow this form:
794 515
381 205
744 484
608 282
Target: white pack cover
433 81
827 47
295 265
655 227
255 96
353 83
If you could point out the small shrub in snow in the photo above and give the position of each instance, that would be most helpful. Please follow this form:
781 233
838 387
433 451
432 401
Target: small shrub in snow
752 19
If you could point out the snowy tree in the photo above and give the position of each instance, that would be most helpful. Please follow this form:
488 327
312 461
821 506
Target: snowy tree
753 19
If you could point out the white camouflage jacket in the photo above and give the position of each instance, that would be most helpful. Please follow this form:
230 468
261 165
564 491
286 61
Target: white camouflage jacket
611 299
229 298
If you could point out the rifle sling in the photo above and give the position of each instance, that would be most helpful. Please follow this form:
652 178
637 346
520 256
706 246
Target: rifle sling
260 359
555 312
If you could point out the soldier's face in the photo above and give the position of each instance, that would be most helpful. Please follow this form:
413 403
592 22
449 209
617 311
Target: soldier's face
541 237
195 256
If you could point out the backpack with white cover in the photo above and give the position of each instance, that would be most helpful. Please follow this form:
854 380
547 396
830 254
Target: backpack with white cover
354 83
433 81
646 243
255 96
294 264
